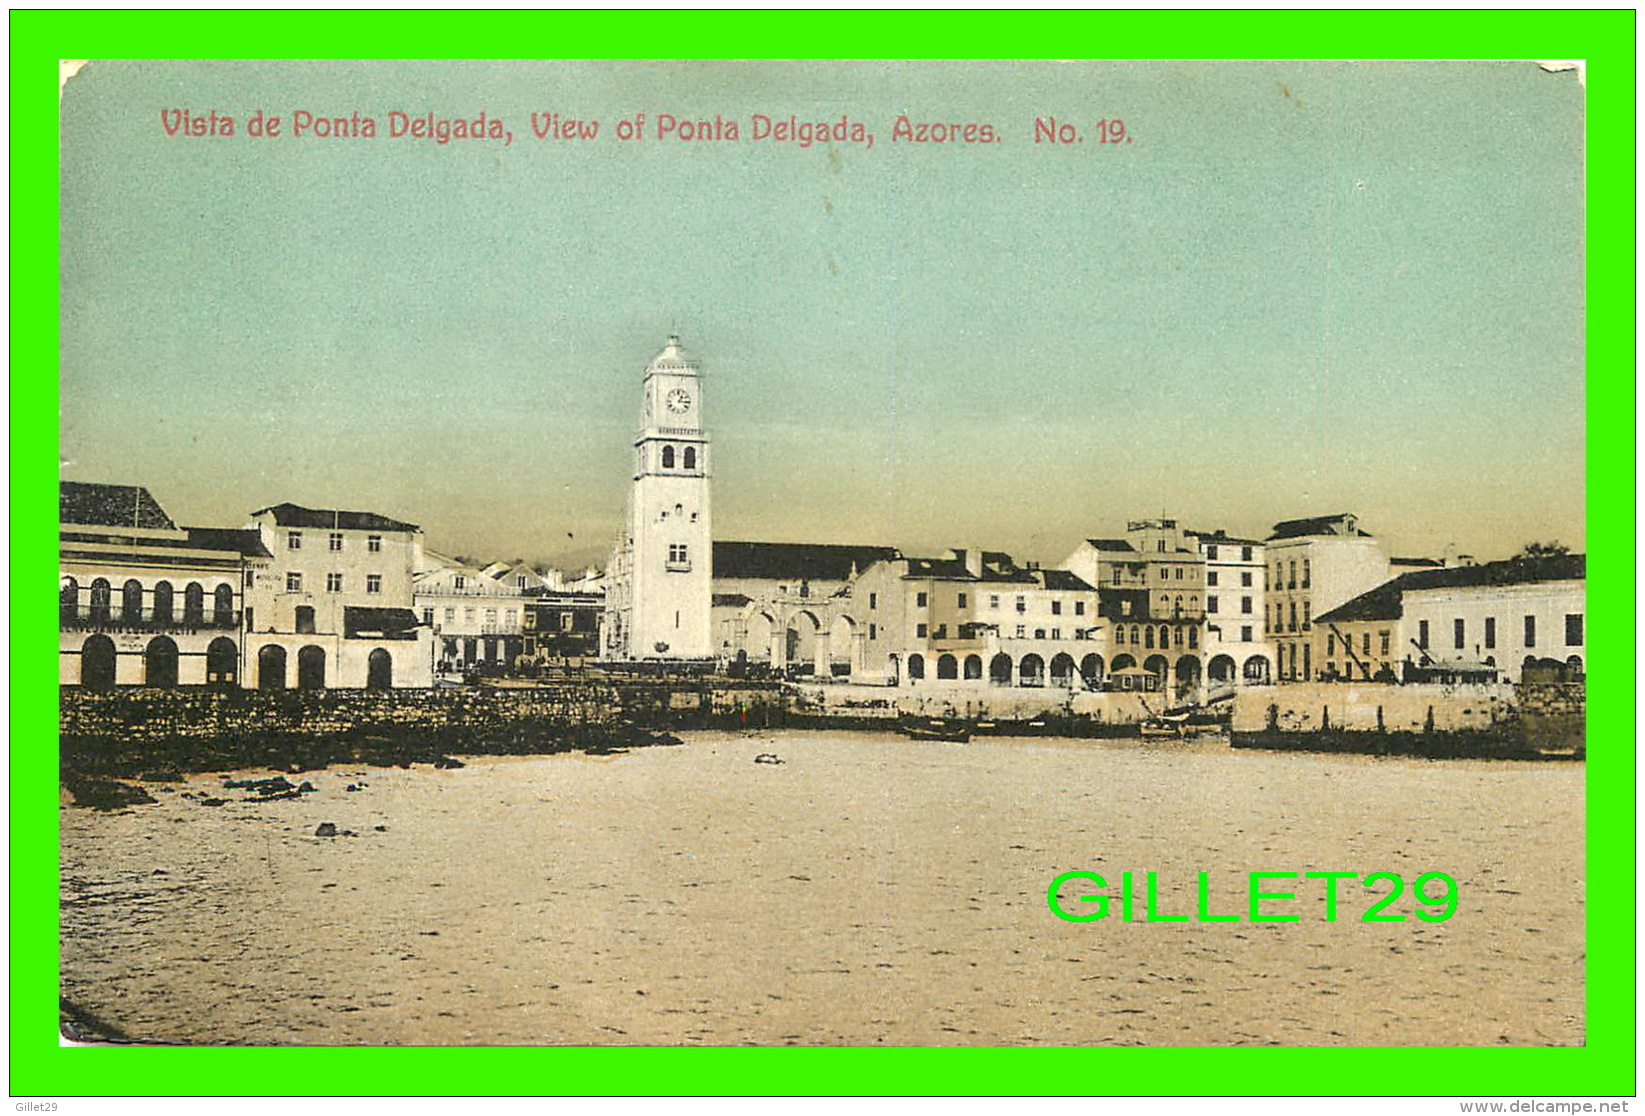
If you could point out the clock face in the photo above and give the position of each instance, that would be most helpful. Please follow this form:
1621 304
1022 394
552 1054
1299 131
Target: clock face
679 401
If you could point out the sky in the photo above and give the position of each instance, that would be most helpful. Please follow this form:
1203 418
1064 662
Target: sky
1298 289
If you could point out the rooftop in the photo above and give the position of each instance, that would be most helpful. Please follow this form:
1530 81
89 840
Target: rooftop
295 515
1386 601
795 561
111 505
1342 524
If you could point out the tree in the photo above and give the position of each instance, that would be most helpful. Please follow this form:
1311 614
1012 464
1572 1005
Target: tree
1541 550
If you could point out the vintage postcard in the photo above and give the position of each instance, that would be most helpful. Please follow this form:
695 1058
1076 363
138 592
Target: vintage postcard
823 553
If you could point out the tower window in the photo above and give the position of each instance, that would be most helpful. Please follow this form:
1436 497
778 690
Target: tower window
668 457
690 457
679 557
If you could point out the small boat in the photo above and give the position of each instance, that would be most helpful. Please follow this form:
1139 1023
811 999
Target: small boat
1169 725
936 728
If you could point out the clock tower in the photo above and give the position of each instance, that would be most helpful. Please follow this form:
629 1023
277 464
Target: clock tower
657 592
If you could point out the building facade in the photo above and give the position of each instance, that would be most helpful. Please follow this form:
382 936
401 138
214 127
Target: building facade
1151 598
144 602
476 619
1315 565
335 608
1504 618
1237 651
658 594
784 607
976 617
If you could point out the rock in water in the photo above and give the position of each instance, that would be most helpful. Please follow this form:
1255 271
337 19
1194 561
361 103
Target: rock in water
326 829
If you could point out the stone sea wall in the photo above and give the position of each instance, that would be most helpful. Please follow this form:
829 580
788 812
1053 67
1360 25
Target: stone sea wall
1438 719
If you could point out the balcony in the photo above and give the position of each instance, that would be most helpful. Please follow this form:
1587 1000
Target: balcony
82 620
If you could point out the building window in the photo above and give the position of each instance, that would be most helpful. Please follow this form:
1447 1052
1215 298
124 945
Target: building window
468 617
1211 603
668 457
1459 633
919 631
941 632
1307 614
1365 644
491 617
1245 580
1211 579
679 556
873 631
1056 608
294 540
294 582
1193 639
1530 631
1331 645
334 583
1211 553
374 543
519 581
873 600
1022 631
336 541
1245 555
1490 632
1039 633
962 600
919 602
1079 608
1422 634
1384 638
1307 568
460 581
428 617
993 600
1293 616
451 616
374 583
1022 605
1292 584
690 457
1573 629
1245 606
1245 633
305 620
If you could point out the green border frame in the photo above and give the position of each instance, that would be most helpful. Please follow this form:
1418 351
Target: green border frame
1605 1067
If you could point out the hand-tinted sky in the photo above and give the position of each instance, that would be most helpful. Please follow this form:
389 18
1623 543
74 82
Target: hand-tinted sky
1302 288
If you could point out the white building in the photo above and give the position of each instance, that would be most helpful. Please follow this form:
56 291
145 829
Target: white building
144 602
336 603
976 617
1237 650
1504 616
785 605
658 600
1314 565
476 618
